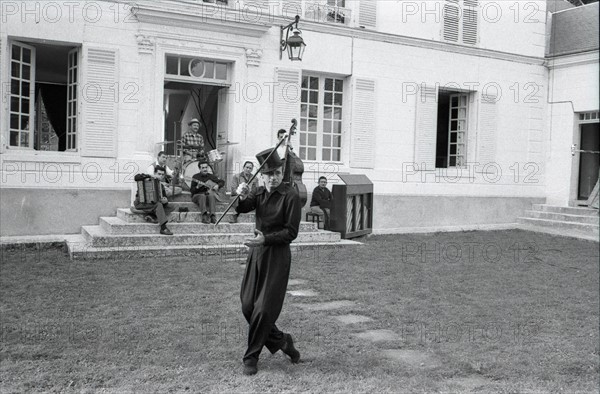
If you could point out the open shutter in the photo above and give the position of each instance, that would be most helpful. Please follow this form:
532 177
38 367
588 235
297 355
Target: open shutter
470 21
363 124
451 18
98 103
367 13
486 133
286 104
426 127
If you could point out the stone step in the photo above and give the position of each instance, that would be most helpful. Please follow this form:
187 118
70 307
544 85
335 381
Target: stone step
566 210
563 217
97 237
80 249
187 197
115 225
220 206
568 229
126 215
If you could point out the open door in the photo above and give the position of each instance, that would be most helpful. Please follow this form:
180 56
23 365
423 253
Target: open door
589 159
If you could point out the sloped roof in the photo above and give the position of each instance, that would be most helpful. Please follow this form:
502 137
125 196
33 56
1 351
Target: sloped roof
574 30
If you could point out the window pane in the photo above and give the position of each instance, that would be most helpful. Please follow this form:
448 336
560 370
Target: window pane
15 69
25 106
463 101
337 141
14 86
302 124
339 85
184 70
221 71
326 154
304 96
453 125
461 124
312 139
452 149
328 84
454 101
303 110
312 125
327 126
328 98
313 111
14 104
314 83
452 161
302 138
338 99
304 82
462 113
337 127
14 122
172 65
24 122
327 112
336 155
25 88
303 153
452 137
27 57
14 138
314 97
312 153
24 139
327 140
454 114
209 69
337 113
16 52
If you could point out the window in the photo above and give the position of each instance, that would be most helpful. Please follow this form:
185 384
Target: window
460 21
333 11
451 138
197 69
43 96
321 118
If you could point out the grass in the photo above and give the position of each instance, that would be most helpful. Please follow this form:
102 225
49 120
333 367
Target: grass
503 311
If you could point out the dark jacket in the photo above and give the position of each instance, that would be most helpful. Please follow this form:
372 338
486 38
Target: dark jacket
198 188
321 198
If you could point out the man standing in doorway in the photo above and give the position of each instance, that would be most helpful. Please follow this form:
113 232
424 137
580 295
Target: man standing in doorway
193 142
278 213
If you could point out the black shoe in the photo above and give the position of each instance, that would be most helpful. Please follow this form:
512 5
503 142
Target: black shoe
250 369
205 218
233 218
165 231
213 219
289 349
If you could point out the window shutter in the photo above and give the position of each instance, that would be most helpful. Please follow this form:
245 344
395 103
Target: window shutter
486 134
362 154
286 104
367 13
451 18
98 103
470 21
426 127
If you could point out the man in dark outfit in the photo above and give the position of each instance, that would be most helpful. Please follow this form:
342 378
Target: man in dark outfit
159 209
321 202
278 213
205 196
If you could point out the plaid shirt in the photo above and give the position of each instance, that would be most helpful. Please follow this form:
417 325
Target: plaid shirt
191 138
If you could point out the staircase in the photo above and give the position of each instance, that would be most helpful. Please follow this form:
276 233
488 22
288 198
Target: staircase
129 235
578 222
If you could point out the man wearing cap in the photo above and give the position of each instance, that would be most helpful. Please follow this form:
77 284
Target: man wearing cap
265 281
193 142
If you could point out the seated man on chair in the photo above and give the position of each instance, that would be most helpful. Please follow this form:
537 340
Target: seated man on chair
321 201
204 191
168 175
193 142
159 210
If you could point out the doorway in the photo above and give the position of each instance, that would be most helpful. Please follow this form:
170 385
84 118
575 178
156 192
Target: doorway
185 101
589 159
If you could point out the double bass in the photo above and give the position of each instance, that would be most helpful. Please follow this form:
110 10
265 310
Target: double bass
293 167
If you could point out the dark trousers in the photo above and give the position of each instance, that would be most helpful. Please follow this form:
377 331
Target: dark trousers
159 210
262 294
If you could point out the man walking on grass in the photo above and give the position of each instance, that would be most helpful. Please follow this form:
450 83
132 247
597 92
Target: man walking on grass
278 213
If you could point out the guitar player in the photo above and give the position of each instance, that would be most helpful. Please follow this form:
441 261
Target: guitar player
204 191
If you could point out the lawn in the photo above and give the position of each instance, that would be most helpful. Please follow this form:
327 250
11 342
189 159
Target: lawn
501 311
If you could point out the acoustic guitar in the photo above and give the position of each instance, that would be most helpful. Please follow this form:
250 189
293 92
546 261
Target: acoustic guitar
219 195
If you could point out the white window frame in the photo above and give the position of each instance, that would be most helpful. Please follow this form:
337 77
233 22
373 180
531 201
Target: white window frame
461 130
319 146
31 97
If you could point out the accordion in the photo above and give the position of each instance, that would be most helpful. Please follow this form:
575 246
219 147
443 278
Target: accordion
149 191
